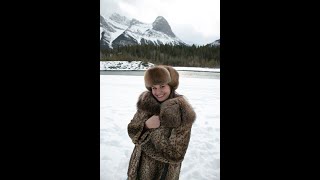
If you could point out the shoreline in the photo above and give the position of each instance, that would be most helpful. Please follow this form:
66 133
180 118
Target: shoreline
140 66
101 70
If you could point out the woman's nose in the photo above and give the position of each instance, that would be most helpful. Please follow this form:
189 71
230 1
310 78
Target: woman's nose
158 91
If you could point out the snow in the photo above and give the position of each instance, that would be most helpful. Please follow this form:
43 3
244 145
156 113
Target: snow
215 43
118 97
196 69
101 29
138 65
156 36
143 30
124 65
137 31
118 27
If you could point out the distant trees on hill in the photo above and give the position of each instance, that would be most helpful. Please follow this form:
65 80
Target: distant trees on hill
189 56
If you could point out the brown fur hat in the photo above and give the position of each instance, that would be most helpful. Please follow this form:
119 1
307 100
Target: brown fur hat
161 75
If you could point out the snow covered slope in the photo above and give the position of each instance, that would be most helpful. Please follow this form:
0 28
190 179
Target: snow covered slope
118 30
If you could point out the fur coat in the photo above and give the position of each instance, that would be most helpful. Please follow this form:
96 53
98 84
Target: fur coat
158 153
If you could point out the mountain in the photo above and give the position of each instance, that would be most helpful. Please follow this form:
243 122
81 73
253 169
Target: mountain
111 28
162 25
215 43
118 30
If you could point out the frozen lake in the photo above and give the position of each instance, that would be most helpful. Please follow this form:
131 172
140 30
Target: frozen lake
119 92
207 75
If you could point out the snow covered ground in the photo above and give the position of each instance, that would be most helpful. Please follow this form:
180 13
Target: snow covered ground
118 97
138 65
124 65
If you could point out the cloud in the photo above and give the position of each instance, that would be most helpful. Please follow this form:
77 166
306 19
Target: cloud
189 35
192 21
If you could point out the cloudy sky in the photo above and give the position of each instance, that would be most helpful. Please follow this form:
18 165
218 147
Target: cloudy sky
193 21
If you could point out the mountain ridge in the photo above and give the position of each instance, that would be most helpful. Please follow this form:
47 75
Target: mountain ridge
117 30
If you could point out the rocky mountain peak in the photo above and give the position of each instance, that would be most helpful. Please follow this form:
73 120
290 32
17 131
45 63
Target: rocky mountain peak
134 22
105 24
102 21
117 30
120 19
162 25
215 43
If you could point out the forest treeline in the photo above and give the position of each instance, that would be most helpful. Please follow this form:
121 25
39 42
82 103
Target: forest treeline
187 56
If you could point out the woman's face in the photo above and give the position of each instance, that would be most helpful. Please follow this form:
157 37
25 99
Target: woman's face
161 92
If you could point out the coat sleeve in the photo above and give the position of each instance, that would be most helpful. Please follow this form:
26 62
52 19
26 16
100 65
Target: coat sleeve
169 143
170 114
168 150
136 128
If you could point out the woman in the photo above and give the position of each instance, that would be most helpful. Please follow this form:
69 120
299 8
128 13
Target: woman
161 127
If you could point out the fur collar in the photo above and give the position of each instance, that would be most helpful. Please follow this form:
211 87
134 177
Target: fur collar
148 103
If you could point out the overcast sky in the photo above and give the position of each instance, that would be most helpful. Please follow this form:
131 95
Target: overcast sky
193 21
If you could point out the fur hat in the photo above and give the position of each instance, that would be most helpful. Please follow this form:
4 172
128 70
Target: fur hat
161 75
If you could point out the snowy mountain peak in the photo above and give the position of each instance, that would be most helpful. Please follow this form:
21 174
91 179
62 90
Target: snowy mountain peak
135 22
160 18
119 19
215 43
117 30
162 25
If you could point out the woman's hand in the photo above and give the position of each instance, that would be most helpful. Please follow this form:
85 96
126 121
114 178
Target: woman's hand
153 122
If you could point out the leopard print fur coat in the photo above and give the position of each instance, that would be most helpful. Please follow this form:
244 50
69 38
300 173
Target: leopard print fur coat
159 152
